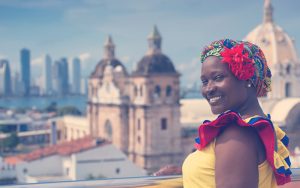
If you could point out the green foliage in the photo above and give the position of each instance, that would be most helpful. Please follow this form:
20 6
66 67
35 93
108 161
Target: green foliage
68 110
90 177
52 107
12 141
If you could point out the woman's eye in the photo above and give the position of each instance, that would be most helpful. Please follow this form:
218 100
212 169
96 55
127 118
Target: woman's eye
204 82
219 77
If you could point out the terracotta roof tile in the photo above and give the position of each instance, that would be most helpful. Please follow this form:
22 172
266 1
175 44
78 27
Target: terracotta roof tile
64 149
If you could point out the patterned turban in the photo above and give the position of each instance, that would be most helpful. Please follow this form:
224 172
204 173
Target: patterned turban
245 60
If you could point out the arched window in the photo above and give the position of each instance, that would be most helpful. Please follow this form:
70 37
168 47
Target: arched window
157 91
135 90
108 130
138 124
141 90
288 89
288 69
168 91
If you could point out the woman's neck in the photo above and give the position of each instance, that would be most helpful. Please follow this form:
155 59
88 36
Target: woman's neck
251 108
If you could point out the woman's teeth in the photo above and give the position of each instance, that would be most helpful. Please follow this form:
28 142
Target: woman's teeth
214 99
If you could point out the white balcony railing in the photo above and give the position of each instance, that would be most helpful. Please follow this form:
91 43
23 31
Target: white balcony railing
140 182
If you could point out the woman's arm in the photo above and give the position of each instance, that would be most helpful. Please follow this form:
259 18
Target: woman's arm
237 158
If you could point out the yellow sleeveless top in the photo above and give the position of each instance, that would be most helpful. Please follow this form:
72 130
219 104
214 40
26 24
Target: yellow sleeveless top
198 170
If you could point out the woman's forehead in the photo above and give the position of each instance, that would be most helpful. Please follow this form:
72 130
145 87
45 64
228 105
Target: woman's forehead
213 63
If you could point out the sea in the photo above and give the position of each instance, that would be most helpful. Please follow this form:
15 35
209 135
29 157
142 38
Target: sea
79 101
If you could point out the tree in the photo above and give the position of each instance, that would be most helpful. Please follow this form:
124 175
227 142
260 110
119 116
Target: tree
11 141
52 107
68 110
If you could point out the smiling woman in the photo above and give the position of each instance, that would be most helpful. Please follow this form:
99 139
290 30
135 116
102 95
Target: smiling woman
242 140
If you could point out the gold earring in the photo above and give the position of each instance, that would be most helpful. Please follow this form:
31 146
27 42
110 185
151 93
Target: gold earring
249 85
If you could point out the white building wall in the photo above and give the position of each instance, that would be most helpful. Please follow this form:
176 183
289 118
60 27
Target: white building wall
69 167
6 170
105 161
41 167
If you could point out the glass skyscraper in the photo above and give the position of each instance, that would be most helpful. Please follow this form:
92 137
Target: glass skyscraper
5 78
25 70
47 76
76 76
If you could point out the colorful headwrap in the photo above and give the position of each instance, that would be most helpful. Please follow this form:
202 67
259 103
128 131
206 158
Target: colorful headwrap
244 59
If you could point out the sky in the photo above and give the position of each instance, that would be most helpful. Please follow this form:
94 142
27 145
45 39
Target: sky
78 28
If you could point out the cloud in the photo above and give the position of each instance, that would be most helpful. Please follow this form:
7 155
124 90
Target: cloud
190 72
192 65
37 61
84 56
2 56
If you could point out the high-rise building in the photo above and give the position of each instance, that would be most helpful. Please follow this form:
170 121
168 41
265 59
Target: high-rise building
56 81
5 78
64 76
47 76
76 75
60 77
25 70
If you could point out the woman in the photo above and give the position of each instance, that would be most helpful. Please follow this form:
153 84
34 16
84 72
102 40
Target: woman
241 148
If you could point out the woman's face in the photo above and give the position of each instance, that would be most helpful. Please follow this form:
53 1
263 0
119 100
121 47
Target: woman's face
221 88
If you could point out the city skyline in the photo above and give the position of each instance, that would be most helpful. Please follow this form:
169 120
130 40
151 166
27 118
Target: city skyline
79 29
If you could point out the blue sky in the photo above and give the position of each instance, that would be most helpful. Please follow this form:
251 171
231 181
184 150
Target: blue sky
78 28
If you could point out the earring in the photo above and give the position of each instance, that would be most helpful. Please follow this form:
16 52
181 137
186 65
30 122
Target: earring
249 85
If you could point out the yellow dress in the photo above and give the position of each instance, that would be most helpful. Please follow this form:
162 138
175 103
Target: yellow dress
199 170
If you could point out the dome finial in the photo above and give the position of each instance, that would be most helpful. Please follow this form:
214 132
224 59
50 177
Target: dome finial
109 48
154 34
154 40
268 11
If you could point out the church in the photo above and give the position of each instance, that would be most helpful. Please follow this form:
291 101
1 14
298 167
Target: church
142 114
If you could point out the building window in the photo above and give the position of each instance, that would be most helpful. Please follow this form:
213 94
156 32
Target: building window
168 91
139 139
288 69
138 124
141 90
108 130
118 170
163 124
288 88
25 171
135 90
157 91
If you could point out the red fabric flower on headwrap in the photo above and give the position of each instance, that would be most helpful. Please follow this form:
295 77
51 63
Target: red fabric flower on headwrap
238 61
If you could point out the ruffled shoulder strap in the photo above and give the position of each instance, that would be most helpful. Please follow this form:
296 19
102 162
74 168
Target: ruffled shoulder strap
273 138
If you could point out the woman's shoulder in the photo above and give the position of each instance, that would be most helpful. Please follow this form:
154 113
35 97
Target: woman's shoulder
235 133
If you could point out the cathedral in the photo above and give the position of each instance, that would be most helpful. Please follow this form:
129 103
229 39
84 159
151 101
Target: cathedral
138 112
142 114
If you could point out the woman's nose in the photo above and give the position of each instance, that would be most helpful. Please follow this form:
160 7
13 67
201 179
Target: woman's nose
211 87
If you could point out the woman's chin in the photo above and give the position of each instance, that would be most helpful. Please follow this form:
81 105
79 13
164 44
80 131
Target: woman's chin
215 110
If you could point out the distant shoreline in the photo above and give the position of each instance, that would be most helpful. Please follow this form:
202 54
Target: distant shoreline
41 102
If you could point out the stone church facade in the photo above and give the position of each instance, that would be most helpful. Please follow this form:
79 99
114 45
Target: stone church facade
138 112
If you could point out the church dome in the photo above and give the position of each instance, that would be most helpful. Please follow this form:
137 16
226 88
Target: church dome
276 44
109 59
155 63
100 67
